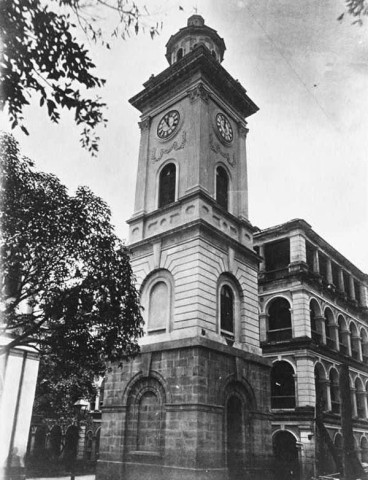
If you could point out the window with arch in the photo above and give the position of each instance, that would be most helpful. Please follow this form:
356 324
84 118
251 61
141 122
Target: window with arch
179 54
329 330
364 341
338 442
314 312
157 298
227 310
335 391
149 420
279 320
321 387
222 187
355 341
343 337
158 307
282 385
364 449
145 416
167 185
360 398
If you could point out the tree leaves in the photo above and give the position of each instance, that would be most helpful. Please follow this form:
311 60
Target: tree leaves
41 56
67 285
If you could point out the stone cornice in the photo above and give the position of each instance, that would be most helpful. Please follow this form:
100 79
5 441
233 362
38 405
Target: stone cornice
199 64
208 344
299 224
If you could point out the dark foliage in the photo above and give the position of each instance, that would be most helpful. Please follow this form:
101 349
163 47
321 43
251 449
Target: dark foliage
41 55
358 9
67 285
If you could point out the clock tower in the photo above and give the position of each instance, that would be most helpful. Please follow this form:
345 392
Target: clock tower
195 403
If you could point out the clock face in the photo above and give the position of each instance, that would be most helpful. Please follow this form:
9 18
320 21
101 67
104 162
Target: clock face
224 127
168 124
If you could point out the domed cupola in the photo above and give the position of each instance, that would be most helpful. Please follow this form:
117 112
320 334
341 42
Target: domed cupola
194 34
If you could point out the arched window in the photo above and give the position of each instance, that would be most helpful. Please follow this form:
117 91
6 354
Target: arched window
234 433
339 452
145 420
286 455
149 420
88 445
279 320
158 307
167 185
364 340
97 444
360 398
329 321
343 337
354 338
321 388
222 187
179 54
314 311
282 385
364 449
157 301
335 391
227 310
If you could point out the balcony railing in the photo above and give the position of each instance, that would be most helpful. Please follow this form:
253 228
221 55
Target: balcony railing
283 401
279 334
275 274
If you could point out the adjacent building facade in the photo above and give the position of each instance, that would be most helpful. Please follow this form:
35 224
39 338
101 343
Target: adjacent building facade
313 320
195 403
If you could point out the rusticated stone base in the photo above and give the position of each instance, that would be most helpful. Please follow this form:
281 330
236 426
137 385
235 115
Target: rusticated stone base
191 409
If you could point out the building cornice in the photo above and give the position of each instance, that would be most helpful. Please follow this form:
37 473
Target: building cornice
197 64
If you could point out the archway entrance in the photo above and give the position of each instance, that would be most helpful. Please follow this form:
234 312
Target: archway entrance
286 456
234 438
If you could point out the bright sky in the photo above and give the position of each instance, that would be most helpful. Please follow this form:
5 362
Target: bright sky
307 146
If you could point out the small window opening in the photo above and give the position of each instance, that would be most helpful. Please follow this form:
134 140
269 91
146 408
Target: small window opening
310 256
227 310
277 255
222 187
335 391
279 320
345 277
282 385
323 266
179 54
167 185
335 274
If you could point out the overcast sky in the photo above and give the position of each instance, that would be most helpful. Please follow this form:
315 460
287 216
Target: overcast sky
307 145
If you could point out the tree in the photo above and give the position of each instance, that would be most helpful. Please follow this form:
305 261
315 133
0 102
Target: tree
67 287
41 55
358 9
